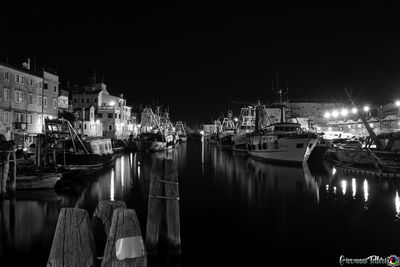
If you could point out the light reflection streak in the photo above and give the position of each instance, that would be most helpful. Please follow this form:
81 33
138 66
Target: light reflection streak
333 171
112 185
138 169
353 187
344 186
122 173
397 204
366 194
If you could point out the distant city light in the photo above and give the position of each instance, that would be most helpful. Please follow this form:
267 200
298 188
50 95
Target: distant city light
366 108
354 110
344 112
335 113
327 115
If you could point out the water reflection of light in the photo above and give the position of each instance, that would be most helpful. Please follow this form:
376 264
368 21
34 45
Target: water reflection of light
353 187
344 186
366 190
327 188
138 169
397 204
202 155
333 171
131 157
112 186
122 173
334 190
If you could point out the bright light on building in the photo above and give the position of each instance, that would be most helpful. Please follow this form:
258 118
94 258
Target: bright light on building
397 103
327 115
97 121
335 113
112 103
366 108
371 125
344 112
354 110
236 119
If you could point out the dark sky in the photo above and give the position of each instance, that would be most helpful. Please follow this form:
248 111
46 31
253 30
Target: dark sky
202 58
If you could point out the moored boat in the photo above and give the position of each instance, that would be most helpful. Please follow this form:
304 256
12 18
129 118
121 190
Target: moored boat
67 150
37 181
282 142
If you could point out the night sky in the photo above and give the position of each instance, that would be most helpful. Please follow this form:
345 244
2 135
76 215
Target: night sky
201 59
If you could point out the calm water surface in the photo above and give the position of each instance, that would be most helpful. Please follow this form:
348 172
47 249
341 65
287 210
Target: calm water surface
235 211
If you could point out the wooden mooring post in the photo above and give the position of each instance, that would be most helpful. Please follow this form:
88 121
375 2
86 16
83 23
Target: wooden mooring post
101 222
73 243
163 201
125 246
7 165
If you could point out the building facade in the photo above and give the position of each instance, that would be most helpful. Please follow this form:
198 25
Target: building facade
111 111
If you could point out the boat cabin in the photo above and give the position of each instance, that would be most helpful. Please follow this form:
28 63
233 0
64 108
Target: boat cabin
283 128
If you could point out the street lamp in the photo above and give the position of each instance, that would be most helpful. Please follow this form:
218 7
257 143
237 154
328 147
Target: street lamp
398 108
354 110
335 113
344 112
366 108
327 115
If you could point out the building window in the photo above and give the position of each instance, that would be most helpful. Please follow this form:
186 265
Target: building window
45 86
45 102
110 127
54 103
110 115
6 117
82 100
6 76
87 100
115 115
84 126
19 79
100 115
30 99
6 95
40 85
40 120
55 88
29 118
74 100
39 100
95 100
19 96
31 82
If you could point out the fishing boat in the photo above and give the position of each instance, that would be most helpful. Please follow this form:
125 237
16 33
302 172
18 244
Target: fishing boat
225 136
156 133
244 129
181 132
283 142
37 181
67 150
381 152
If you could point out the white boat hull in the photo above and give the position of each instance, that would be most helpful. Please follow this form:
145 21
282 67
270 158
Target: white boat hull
284 149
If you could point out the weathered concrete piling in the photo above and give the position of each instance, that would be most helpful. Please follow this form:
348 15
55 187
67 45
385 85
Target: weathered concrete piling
73 243
163 201
125 246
